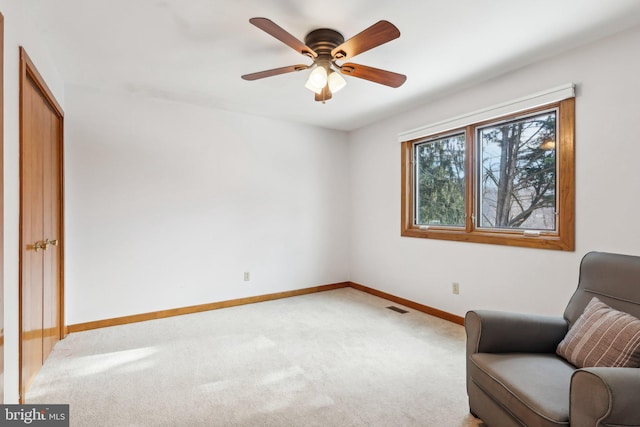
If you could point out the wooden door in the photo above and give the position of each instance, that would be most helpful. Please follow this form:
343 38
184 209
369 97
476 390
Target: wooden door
32 155
52 206
41 320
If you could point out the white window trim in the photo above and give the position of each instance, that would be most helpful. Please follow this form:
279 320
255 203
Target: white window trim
548 96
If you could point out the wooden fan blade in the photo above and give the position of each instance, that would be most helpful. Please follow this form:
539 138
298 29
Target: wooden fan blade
278 32
375 75
377 34
275 72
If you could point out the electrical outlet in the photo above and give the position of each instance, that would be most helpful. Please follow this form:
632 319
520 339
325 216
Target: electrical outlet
455 288
247 276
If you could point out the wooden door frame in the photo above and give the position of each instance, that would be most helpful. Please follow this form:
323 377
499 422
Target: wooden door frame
28 71
2 299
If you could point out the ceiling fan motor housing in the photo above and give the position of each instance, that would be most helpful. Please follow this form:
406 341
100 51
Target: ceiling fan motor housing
323 41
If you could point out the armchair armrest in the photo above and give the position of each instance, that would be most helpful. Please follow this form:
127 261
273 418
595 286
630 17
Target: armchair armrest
605 397
502 332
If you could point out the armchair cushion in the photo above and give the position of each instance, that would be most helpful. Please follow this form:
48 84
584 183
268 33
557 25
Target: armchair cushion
535 387
602 336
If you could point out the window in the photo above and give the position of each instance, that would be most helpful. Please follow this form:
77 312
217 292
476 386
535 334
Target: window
505 181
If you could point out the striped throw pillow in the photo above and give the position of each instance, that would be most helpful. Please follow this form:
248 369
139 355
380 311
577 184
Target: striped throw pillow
602 336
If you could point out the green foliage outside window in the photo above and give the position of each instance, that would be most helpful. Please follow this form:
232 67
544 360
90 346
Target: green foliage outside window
440 181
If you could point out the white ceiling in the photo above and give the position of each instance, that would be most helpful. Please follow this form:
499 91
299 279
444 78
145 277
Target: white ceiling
196 50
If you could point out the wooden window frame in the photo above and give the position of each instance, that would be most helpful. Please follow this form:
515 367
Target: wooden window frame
563 238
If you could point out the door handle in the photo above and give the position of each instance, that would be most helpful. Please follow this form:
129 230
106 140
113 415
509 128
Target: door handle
39 245
48 243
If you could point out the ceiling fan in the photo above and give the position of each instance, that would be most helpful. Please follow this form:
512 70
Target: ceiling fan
325 47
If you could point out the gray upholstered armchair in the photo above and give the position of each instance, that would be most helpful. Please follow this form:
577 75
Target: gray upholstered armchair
515 377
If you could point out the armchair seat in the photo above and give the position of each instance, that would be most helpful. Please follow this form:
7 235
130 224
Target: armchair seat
536 386
515 377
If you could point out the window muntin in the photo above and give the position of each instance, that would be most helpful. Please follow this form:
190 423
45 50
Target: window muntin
553 228
517 173
440 181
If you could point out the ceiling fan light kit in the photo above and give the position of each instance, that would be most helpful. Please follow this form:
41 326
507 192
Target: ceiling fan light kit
325 46
317 79
336 81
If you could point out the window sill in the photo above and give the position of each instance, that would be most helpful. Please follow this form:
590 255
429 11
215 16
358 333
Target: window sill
559 242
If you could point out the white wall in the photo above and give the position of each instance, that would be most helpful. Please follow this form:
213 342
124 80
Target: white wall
18 32
499 277
167 204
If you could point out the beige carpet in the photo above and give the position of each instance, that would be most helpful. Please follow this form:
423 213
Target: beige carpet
337 358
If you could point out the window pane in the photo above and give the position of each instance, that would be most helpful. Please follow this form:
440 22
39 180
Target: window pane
440 181
518 174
